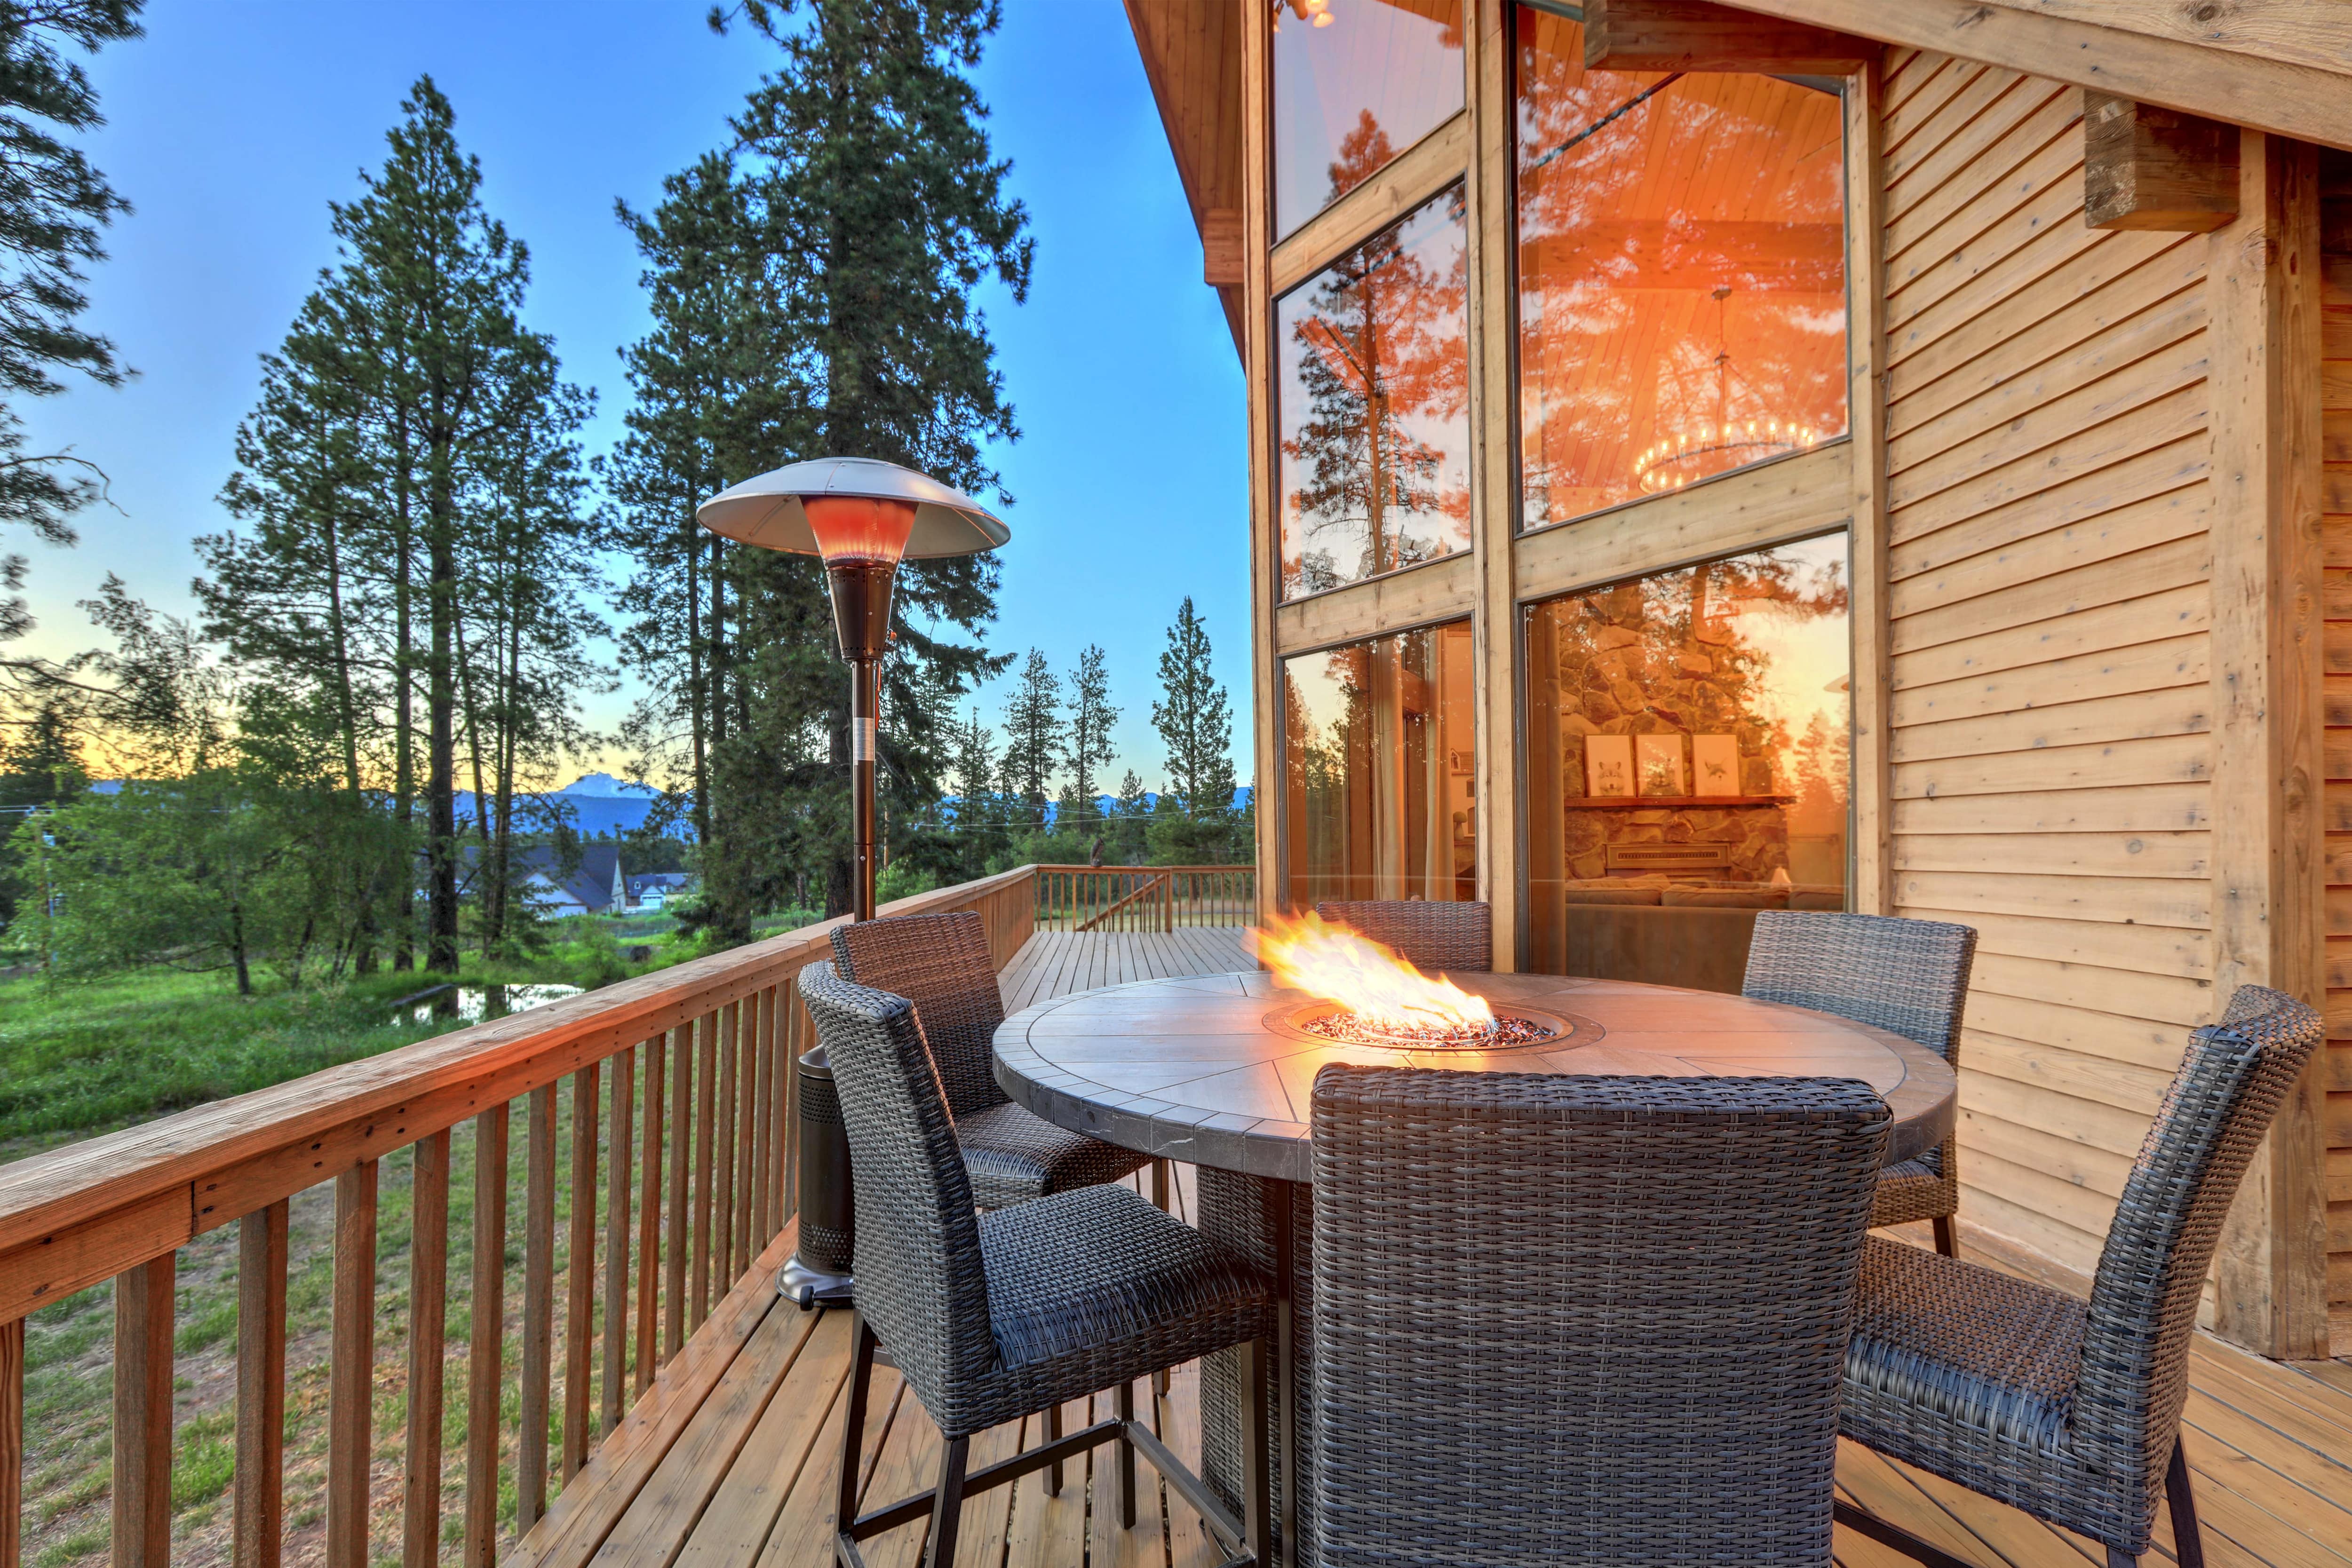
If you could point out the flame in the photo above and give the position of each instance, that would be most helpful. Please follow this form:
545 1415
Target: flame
1307 954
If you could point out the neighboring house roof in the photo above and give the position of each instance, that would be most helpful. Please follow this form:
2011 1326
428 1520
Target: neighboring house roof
596 886
663 881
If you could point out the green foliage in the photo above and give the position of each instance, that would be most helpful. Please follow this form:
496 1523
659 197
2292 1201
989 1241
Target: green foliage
901 879
812 292
1195 822
1034 738
53 205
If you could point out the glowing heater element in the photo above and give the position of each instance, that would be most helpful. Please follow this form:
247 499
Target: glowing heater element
865 529
1382 991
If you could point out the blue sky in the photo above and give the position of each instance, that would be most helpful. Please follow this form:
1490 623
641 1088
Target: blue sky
234 123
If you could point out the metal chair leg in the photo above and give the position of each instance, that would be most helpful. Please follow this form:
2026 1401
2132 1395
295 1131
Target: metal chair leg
1053 1434
1126 1460
2121 1559
1257 1498
2187 1540
1945 1242
853 1428
947 1504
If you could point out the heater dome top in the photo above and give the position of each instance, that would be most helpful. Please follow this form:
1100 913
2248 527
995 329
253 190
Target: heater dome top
767 511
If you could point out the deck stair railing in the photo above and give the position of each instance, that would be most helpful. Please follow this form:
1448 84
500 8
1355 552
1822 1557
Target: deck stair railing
1144 898
681 1131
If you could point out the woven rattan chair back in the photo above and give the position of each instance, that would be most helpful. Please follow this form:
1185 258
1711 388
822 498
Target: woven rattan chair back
1909 976
2143 1309
1568 1320
1452 938
919 1276
941 964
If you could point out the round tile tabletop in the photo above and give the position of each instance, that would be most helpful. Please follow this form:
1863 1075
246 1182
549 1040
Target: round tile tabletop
1216 1070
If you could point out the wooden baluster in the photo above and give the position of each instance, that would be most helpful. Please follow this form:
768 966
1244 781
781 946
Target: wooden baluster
788 1089
681 1135
143 1301
764 1067
617 1236
723 1175
428 1325
746 1116
485 1343
538 1311
12 1444
350 1373
580 1272
258 1533
649 1217
706 1064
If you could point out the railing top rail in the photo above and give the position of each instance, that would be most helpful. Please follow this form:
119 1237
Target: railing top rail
1243 868
395 1097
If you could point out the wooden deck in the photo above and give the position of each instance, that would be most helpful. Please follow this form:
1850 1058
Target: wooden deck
730 1461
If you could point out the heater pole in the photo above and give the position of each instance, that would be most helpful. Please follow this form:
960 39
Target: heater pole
865 716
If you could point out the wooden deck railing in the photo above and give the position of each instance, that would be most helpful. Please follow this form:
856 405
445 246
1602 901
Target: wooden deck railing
1144 898
681 1119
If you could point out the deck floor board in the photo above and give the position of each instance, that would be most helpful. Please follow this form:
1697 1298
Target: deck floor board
730 1461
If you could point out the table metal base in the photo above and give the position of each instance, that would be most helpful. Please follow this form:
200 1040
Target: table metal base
1269 1222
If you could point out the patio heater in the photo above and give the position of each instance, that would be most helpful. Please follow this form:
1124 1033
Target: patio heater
861 516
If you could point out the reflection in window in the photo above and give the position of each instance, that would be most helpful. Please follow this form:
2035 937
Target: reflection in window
1682 273
1688 741
1378 769
1355 82
1374 372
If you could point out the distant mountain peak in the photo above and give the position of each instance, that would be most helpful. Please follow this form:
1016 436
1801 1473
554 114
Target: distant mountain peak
602 786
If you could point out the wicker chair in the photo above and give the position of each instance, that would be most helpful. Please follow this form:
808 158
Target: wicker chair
1454 938
1908 976
1566 1320
943 965
994 1317
2067 1409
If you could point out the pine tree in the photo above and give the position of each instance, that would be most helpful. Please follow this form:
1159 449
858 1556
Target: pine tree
978 820
1091 717
1035 738
870 202
1194 720
53 205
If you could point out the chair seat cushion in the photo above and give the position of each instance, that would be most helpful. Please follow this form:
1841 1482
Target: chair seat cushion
1946 1352
1012 1155
1093 1288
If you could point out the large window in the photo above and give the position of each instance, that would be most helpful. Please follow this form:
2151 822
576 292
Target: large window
1682 273
1378 769
1686 748
1373 404
1355 82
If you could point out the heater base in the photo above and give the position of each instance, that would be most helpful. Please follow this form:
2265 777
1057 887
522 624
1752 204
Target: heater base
805 1287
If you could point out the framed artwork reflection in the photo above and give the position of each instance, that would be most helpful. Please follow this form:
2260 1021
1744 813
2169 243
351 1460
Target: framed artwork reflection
1660 765
1715 764
1608 765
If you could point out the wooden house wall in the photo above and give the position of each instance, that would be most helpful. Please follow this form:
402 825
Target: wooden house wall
2335 440
2046 472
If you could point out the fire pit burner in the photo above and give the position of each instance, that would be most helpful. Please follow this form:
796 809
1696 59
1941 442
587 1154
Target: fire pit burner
1506 1033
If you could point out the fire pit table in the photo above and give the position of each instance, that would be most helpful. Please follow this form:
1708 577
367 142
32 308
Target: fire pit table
1216 1071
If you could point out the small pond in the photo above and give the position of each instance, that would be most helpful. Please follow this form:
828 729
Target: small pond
473 1004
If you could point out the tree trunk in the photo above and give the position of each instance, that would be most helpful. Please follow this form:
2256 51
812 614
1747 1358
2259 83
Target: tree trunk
441 735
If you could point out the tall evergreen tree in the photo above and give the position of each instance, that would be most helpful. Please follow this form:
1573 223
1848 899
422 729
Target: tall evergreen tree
1035 738
1091 717
862 183
1194 719
53 205
978 821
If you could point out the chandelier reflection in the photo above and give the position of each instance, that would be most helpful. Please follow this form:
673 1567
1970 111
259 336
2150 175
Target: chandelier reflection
1695 453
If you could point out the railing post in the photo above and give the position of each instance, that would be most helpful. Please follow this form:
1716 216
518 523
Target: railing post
143 1301
12 1443
258 1533
538 1310
580 1271
351 1382
428 1315
617 1236
485 1345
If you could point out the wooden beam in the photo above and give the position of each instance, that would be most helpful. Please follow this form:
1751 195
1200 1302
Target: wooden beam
2267 718
1865 229
1494 500
1221 247
1411 178
144 1298
2283 96
1693 35
1441 589
1257 374
2148 167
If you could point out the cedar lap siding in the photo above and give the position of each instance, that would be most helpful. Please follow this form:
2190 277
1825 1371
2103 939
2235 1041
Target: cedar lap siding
2101 500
